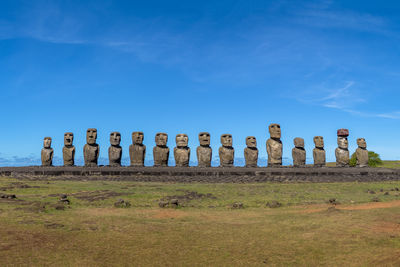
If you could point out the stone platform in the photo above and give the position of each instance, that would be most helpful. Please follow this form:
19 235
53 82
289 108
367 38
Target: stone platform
203 175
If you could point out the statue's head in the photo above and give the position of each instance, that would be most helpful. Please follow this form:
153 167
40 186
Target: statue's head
342 142
319 141
47 142
68 139
251 142
161 139
204 139
361 143
226 140
91 136
298 142
182 140
275 130
137 138
115 138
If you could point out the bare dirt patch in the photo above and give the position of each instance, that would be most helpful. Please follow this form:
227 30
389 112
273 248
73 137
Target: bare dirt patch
168 214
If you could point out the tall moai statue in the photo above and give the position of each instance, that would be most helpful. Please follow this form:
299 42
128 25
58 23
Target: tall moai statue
115 150
342 151
204 151
251 152
299 153
47 152
319 154
91 150
362 153
226 151
182 151
274 145
137 151
161 151
69 150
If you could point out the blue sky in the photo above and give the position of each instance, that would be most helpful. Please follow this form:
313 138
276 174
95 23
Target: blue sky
190 66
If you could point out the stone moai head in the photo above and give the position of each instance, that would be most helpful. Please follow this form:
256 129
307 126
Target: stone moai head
115 138
319 141
161 139
226 140
298 142
362 143
68 139
204 139
182 140
47 142
137 138
251 142
91 136
342 138
275 130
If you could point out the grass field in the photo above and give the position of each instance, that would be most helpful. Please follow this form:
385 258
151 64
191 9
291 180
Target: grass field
204 229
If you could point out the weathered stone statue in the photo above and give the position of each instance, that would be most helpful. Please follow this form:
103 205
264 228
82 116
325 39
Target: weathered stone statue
137 151
204 151
91 150
226 151
47 152
342 151
362 153
115 150
299 153
319 152
161 151
182 151
69 150
251 152
274 145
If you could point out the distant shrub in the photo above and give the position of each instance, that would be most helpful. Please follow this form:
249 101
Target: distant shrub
373 161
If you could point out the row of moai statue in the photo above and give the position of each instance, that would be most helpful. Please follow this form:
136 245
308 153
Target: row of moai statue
137 150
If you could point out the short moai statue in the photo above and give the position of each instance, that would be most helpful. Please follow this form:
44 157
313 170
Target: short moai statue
251 152
274 146
137 151
47 152
115 150
362 153
91 150
69 150
299 153
319 152
161 151
182 151
226 151
342 151
204 151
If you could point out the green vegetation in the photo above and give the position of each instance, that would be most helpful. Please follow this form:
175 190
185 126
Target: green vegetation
373 161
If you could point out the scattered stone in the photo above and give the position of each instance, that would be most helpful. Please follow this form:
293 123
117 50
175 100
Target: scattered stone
9 196
376 199
274 204
381 190
397 189
163 204
237 205
386 193
122 204
53 225
371 191
333 201
64 199
174 202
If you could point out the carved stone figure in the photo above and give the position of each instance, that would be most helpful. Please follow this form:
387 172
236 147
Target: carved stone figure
319 152
69 150
161 151
204 151
182 151
91 150
299 153
137 151
274 145
251 152
342 151
115 150
362 153
47 152
226 151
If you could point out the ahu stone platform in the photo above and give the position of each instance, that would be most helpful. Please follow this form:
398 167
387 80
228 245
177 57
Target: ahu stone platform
203 175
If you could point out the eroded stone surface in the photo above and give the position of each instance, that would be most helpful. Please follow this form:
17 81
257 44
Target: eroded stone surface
204 151
319 154
251 152
91 150
299 153
115 150
226 151
182 151
274 145
362 153
137 151
69 149
342 151
161 151
47 152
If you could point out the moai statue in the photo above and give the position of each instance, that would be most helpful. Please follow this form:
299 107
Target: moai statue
91 150
182 151
362 153
274 145
69 150
47 152
299 153
137 151
115 150
226 151
161 151
204 151
319 152
251 152
342 151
